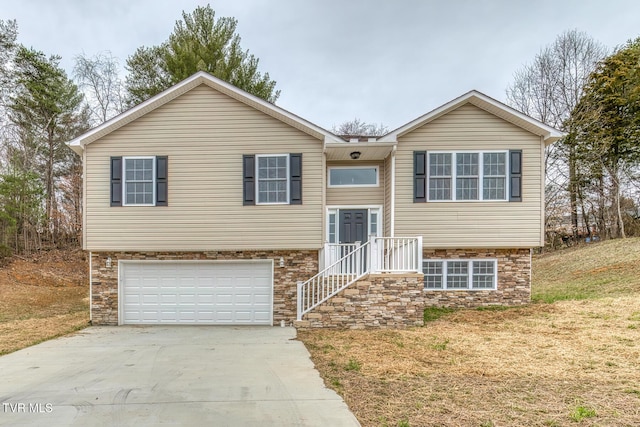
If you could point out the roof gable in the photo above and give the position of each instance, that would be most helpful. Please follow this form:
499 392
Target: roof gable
183 87
485 103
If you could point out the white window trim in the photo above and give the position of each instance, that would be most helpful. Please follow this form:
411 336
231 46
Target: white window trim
124 180
470 275
334 210
330 168
288 186
480 176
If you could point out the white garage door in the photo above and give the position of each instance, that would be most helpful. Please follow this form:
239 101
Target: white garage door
196 292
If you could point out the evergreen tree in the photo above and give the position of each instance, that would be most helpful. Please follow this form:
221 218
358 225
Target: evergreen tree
45 111
607 121
199 42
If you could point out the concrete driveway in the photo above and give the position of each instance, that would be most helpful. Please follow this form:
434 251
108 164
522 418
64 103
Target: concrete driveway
173 375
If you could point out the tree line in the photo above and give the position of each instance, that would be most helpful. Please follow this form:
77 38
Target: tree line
575 85
593 95
41 108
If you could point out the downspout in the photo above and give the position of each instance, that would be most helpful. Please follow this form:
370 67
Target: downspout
322 251
543 206
84 197
392 208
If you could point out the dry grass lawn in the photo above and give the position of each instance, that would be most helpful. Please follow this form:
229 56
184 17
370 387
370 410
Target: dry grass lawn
42 297
572 362
570 359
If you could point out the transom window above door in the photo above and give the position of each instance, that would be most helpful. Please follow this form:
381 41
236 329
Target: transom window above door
353 176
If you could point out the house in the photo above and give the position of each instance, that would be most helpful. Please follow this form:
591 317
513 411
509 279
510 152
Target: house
205 204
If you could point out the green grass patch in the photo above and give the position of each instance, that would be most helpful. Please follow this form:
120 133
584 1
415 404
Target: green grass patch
440 345
353 365
581 412
434 313
598 270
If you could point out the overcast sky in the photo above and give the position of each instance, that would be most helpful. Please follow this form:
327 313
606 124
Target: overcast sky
381 61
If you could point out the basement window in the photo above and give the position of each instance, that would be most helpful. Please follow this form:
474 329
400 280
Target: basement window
460 274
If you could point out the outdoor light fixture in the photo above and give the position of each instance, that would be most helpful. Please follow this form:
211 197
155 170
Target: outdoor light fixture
281 262
108 262
355 155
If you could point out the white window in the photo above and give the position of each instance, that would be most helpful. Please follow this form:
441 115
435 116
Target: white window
273 179
494 176
353 176
460 274
332 227
467 176
139 178
440 176
373 222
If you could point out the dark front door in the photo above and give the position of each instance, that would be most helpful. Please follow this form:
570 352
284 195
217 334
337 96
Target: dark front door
353 225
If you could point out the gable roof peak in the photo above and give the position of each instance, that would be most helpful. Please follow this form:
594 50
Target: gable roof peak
488 104
201 77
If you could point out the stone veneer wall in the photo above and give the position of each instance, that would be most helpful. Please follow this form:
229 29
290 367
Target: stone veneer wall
514 279
377 301
398 300
299 265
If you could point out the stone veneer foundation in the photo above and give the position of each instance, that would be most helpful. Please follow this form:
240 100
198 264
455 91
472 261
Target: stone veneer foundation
398 300
514 279
376 301
298 265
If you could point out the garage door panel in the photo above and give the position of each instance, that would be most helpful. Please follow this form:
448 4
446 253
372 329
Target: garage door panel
263 316
196 292
261 299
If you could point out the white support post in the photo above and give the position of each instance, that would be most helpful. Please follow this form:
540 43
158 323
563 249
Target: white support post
323 255
358 262
419 254
374 255
299 302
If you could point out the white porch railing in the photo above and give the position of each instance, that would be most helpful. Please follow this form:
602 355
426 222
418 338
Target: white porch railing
396 254
333 252
347 263
332 279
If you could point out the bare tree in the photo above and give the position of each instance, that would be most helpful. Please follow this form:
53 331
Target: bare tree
548 89
98 77
357 127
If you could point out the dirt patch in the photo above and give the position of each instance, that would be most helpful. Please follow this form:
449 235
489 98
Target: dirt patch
41 297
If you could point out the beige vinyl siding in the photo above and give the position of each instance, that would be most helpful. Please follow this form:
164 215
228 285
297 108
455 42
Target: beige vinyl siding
477 224
204 134
356 195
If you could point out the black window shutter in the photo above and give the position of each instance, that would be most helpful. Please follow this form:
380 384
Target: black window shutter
419 176
248 179
116 181
295 177
515 175
162 174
